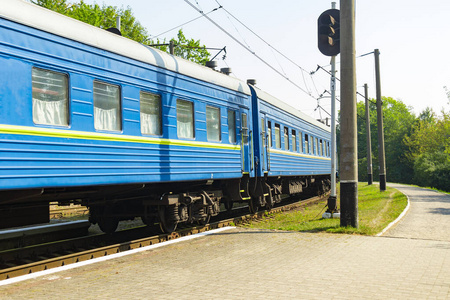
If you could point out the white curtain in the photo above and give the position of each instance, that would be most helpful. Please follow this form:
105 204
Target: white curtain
50 112
150 124
185 129
106 119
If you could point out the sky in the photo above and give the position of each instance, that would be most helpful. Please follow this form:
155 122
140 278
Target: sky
413 38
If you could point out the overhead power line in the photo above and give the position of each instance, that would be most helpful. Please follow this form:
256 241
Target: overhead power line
358 93
215 9
264 41
249 50
249 29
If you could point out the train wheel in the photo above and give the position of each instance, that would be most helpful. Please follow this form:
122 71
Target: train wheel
269 203
167 222
108 224
254 204
205 220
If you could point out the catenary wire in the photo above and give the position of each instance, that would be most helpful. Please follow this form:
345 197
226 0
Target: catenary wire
215 9
252 52
276 50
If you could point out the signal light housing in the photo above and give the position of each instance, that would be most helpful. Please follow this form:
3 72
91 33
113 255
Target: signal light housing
328 32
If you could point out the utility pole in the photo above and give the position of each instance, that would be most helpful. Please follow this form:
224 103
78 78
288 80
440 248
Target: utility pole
380 123
348 162
369 143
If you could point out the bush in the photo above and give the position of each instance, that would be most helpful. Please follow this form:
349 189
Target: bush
432 169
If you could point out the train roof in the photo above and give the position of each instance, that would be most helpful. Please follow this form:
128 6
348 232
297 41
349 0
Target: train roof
289 109
43 19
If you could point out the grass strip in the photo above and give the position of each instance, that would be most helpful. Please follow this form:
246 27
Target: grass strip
375 211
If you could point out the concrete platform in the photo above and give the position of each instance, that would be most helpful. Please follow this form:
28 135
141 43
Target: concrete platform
261 264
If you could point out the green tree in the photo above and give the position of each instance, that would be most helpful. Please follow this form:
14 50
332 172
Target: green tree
105 17
397 121
429 149
60 6
188 48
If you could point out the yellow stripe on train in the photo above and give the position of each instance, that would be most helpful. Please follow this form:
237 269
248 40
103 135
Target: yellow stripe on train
51 132
298 154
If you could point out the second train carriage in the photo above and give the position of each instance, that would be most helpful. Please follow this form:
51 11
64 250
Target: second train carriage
292 150
130 131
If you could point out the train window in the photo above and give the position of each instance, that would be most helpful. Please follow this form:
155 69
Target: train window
244 128
269 133
232 126
185 119
213 124
263 127
294 141
50 97
286 138
300 138
316 147
320 147
150 105
329 150
277 136
306 144
107 114
263 132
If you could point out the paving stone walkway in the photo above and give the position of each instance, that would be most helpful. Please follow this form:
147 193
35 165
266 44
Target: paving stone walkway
428 217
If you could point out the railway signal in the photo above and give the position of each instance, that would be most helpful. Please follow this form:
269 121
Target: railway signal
328 25
329 45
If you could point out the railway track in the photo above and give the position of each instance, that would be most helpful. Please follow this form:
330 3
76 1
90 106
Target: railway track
18 262
58 212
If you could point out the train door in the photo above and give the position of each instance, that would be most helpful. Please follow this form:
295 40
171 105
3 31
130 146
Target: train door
265 138
246 139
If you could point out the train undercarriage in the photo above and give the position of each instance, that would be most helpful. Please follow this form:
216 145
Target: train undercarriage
168 204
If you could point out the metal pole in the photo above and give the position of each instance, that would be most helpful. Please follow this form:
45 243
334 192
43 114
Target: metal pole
118 22
172 47
369 144
332 199
380 123
348 170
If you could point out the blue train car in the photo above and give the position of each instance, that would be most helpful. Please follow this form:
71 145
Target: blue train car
88 113
292 150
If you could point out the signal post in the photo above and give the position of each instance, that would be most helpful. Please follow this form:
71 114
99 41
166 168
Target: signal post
329 45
